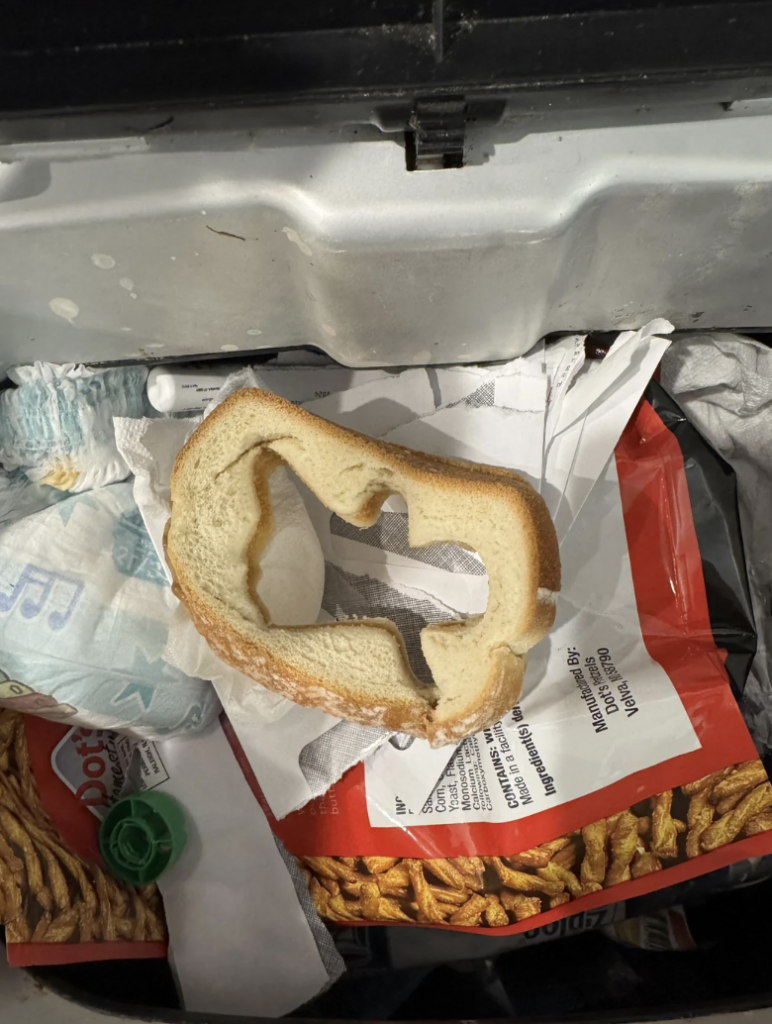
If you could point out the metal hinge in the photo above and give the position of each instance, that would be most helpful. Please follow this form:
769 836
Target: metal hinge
436 134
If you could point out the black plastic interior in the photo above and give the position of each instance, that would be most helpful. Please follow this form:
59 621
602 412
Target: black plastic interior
580 978
82 56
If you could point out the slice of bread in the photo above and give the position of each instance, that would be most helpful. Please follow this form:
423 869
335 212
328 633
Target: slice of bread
358 670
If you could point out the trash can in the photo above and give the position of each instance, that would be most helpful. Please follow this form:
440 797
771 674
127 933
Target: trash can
395 184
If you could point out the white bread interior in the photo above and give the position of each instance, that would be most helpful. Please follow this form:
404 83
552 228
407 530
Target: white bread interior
358 670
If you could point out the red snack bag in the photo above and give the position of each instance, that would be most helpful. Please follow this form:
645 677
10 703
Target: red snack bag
59 905
677 819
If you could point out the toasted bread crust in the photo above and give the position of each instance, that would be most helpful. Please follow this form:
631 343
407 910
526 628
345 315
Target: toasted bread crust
248 648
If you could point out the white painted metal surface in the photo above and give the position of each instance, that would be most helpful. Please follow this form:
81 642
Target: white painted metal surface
208 242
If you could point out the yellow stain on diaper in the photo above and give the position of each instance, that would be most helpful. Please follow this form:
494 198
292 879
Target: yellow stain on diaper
62 477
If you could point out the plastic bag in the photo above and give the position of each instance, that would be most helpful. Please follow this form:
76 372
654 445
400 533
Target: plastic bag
723 382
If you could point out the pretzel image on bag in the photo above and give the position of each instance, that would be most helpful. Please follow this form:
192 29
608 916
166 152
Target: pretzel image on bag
57 905
668 829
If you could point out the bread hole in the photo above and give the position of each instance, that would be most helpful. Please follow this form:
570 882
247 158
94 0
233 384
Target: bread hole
390 534
348 594
356 580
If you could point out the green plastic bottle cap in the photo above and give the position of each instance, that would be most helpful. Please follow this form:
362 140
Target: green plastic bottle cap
142 836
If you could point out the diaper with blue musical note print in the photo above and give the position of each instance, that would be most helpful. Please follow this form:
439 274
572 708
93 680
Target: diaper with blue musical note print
84 613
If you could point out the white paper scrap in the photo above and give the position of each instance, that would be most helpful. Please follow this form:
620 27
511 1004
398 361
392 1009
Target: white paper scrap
563 360
149 448
596 611
273 749
567 737
575 457
622 356
497 436
379 406
240 940
305 384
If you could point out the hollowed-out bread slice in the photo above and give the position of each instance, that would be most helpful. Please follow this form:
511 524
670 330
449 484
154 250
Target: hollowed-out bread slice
358 670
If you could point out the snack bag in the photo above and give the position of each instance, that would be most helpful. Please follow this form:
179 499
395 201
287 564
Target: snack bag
57 902
631 847
501 844
60 905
